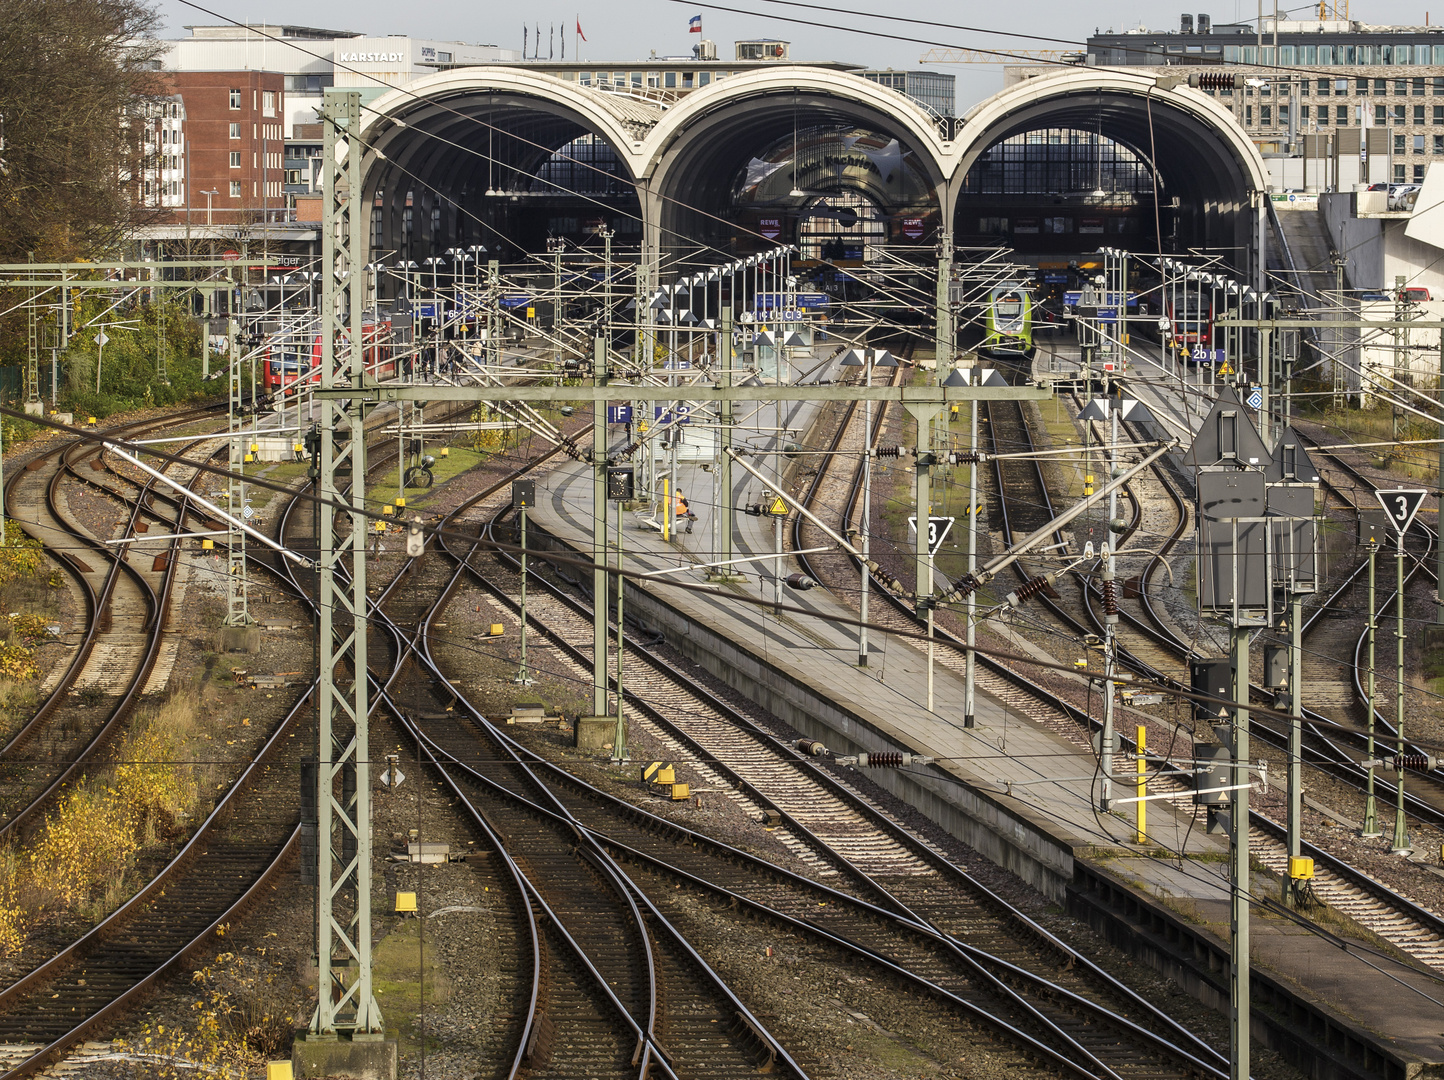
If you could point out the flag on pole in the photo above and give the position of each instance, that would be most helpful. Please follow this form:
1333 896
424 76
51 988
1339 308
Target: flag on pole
694 24
580 35
563 35
552 43
525 32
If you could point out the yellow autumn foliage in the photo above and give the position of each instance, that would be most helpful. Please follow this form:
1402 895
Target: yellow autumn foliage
20 556
18 662
81 858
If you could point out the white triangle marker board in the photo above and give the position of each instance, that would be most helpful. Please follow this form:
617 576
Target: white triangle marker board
1401 504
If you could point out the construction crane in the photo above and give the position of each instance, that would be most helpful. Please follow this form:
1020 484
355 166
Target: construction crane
1000 56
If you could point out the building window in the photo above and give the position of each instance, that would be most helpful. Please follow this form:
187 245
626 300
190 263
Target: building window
1304 111
1323 88
1418 144
235 99
1396 114
235 159
653 79
686 80
670 79
1381 87
1283 116
235 131
1248 114
1401 87
268 103
1324 115
235 189
1439 144
1419 174
1341 115
1381 115
1399 172
1361 87
703 78
1418 114
1436 85
1416 87
1399 145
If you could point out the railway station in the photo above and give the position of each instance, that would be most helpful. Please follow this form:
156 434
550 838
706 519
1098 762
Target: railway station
766 574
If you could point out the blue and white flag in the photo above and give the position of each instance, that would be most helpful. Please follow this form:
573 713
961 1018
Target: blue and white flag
694 24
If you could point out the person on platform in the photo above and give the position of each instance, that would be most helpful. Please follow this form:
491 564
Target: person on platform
683 512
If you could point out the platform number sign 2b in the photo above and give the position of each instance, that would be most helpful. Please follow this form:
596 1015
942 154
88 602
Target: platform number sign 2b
1401 504
938 529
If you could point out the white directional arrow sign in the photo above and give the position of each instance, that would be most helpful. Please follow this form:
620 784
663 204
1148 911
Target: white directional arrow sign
938 529
1401 504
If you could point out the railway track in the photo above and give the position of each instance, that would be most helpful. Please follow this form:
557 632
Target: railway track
1395 917
231 860
707 732
90 700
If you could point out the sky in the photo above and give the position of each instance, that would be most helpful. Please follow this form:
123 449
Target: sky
621 30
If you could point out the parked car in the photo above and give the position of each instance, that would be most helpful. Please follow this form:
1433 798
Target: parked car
1374 297
1403 196
1414 294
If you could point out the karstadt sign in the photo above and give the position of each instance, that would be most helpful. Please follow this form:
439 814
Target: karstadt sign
369 57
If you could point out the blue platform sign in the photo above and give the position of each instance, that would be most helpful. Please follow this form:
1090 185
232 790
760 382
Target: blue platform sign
515 301
1055 278
619 414
663 414
424 311
1200 354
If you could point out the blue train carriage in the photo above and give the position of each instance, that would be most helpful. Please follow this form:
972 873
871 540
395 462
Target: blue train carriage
1008 321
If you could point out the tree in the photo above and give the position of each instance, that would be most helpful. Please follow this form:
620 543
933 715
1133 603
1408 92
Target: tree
76 77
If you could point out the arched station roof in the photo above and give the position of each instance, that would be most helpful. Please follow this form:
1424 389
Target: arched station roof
685 155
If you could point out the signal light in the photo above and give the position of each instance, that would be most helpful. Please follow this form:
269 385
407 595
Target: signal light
415 539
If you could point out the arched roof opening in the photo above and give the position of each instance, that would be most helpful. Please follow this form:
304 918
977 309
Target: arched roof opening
706 153
502 158
1207 170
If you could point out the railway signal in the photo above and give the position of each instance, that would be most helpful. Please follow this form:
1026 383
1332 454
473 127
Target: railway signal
938 530
1402 506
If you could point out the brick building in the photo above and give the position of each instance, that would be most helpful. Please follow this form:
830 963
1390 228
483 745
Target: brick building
235 142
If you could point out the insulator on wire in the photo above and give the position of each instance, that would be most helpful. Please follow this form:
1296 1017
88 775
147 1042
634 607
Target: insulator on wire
887 451
885 759
1110 600
1216 81
1416 761
811 747
964 457
966 586
1029 589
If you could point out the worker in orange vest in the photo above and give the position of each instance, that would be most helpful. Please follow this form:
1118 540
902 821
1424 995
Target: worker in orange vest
682 512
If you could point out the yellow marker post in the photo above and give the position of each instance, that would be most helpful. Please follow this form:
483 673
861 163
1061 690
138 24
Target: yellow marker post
1142 834
666 509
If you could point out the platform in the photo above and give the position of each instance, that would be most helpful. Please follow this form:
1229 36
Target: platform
1014 790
